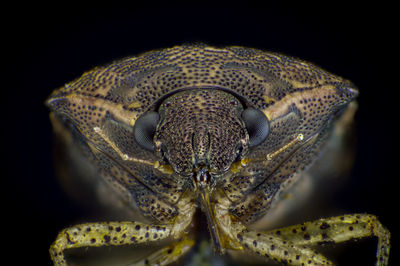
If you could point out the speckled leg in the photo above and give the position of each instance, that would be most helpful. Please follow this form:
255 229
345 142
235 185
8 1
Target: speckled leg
167 254
281 250
103 234
340 229
292 244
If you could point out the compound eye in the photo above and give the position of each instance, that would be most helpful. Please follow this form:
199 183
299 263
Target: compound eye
145 128
257 125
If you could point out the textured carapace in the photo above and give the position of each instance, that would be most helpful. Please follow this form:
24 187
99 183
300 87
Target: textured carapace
226 130
198 99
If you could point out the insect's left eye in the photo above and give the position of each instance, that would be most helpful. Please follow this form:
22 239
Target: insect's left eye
145 128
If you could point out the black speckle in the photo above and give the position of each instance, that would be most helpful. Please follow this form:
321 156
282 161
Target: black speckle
307 237
324 226
118 229
272 247
240 237
351 228
255 243
107 238
137 227
69 239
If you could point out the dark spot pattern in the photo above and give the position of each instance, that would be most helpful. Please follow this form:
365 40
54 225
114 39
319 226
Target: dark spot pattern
200 93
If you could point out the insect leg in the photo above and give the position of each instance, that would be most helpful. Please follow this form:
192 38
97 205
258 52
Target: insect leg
168 254
285 251
105 234
268 244
339 229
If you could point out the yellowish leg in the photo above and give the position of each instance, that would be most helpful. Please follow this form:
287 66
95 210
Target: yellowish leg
281 250
340 229
167 254
108 233
292 244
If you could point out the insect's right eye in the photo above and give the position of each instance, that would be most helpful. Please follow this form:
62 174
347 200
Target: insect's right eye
257 126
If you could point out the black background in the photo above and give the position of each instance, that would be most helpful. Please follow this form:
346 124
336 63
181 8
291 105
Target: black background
48 45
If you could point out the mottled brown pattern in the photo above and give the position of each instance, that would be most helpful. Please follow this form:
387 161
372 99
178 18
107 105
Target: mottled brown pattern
202 155
114 96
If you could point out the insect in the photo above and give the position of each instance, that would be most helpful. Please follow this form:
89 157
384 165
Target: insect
221 130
